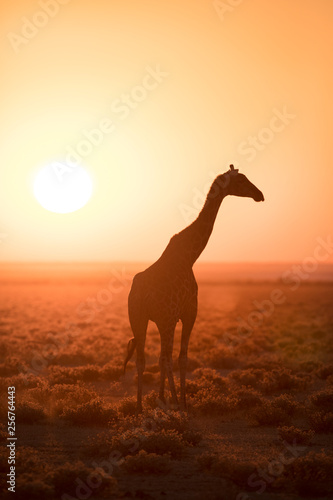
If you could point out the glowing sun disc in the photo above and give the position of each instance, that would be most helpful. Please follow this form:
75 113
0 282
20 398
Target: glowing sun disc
63 193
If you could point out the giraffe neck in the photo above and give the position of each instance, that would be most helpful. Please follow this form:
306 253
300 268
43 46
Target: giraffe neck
201 229
186 247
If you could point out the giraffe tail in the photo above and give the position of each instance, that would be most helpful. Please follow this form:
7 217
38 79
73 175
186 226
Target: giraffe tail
130 350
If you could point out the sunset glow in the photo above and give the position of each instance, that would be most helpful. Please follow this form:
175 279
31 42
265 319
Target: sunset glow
153 100
166 249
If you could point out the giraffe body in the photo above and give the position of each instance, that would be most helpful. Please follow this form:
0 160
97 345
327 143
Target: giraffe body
166 292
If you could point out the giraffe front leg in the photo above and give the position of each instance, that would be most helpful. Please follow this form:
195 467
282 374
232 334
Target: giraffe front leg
140 364
188 323
169 370
182 368
167 334
161 396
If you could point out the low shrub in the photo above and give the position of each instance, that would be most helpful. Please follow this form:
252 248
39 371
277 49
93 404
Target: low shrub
66 479
311 474
229 468
323 400
206 377
90 413
276 412
192 437
282 379
111 372
147 463
29 413
286 403
162 442
325 371
97 446
62 375
247 398
292 434
166 419
221 358
271 381
21 381
56 399
159 442
250 377
31 486
127 406
321 422
210 402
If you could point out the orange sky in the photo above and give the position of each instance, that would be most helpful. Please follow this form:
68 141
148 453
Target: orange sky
222 79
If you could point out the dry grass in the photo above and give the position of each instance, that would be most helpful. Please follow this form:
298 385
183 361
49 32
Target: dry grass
76 408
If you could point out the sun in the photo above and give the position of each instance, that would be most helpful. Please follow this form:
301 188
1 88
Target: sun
62 190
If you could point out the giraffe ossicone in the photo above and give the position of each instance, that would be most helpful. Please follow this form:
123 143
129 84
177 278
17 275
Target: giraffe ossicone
233 170
167 291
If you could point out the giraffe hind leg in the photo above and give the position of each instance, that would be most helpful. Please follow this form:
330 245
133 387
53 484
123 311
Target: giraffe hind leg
140 365
167 335
169 370
130 351
139 322
188 322
182 360
162 380
139 332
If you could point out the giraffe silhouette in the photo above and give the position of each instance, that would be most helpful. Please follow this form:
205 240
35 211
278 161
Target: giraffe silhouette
166 292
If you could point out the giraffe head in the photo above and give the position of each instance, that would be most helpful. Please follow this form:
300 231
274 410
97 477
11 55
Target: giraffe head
237 184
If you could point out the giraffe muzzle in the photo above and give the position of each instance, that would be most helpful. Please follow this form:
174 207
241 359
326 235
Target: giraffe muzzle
259 196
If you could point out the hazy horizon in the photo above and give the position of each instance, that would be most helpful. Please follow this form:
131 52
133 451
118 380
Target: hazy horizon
204 271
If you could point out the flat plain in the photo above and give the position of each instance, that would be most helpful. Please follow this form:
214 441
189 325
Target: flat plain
259 387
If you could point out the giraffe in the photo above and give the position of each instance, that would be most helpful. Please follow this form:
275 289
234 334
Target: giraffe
166 292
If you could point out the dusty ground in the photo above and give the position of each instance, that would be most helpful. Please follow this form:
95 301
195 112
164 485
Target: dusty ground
260 389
